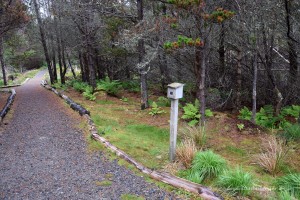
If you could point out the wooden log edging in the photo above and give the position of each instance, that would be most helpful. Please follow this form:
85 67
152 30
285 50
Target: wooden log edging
75 106
169 179
8 104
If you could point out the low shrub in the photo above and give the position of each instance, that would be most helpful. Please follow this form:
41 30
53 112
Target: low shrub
292 133
163 101
132 86
89 94
236 182
111 87
289 183
192 114
79 86
207 164
156 110
266 117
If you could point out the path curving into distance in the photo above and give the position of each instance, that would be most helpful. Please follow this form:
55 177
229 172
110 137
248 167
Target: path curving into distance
43 155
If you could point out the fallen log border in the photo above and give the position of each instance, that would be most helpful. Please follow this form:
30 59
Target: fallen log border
169 179
17 85
8 104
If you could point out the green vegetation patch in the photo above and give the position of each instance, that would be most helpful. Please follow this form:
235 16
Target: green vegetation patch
131 197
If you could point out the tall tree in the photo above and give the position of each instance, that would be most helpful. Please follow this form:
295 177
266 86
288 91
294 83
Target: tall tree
12 15
43 40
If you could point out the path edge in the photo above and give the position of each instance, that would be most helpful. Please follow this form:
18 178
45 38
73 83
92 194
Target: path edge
8 104
17 85
169 179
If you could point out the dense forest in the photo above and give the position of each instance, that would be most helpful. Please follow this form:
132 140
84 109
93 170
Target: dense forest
229 54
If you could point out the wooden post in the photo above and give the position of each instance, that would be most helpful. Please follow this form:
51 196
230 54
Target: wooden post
175 92
173 128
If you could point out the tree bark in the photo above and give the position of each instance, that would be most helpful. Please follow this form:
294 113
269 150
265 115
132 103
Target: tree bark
43 39
141 51
221 52
254 88
71 67
239 81
291 47
2 62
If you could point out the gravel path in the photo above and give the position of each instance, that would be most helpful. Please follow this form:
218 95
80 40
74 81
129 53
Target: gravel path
44 156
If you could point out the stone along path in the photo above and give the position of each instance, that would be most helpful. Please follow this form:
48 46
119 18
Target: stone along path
44 156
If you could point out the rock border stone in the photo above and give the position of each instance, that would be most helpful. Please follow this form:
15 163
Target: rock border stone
169 179
8 104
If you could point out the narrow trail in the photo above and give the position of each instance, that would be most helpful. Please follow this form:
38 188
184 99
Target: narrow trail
44 156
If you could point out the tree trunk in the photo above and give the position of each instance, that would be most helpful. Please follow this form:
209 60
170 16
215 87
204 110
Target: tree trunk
2 62
254 88
221 52
200 69
291 47
141 50
43 38
82 70
54 61
71 67
239 81
202 88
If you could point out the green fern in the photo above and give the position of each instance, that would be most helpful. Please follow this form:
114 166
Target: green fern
110 87
191 113
156 110
245 114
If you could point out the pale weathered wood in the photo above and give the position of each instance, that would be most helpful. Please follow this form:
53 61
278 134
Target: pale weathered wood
8 104
173 129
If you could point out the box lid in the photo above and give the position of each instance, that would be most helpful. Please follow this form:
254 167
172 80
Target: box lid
175 85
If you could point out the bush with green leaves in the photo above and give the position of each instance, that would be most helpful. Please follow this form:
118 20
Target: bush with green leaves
292 133
206 164
80 86
111 87
292 110
132 85
289 183
89 94
163 101
236 182
192 114
266 116
156 110
245 113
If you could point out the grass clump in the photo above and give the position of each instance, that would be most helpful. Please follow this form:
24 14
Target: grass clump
103 183
131 197
272 156
288 184
197 134
236 182
205 165
186 151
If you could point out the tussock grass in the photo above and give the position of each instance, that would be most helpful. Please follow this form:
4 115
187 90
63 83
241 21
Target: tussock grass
205 165
186 151
236 182
288 184
273 154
